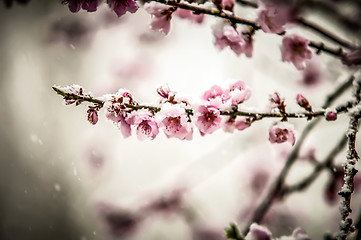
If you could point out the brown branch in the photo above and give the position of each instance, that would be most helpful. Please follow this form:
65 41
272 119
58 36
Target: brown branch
278 184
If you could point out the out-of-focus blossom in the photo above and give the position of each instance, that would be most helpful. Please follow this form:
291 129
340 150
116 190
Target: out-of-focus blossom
90 5
282 132
331 115
175 123
76 5
208 119
273 19
147 127
300 234
217 97
161 16
228 5
206 233
9 3
258 232
169 203
239 92
239 123
92 116
187 14
225 35
119 223
352 58
303 102
295 50
120 7
312 74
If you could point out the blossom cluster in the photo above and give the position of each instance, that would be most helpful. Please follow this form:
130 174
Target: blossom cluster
177 118
174 115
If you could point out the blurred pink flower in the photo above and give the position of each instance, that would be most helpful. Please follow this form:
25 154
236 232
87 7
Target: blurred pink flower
208 119
228 5
120 7
175 123
161 16
312 74
225 35
187 14
273 19
352 58
258 232
300 234
282 132
240 123
295 49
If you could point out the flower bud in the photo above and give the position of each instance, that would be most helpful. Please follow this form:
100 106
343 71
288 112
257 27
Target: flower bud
331 115
303 102
92 116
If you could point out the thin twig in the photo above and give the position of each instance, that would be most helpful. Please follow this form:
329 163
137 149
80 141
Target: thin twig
303 184
278 184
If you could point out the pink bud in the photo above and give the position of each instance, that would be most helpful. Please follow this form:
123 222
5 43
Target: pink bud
92 116
331 115
163 91
303 102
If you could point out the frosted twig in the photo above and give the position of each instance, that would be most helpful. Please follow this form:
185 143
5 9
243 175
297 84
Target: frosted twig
278 184
255 116
352 157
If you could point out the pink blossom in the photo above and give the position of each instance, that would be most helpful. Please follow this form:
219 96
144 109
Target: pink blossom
115 115
226 35
120 7
240 123
258 232
282 132
208 119
92 116
175 123
272 20
239 92
187 14
295 49
217 97
161 16
146 126
74 5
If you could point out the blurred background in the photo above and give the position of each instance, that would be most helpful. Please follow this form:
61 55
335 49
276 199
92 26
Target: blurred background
63 178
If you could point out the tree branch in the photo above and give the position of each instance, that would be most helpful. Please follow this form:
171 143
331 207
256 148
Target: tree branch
278 184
